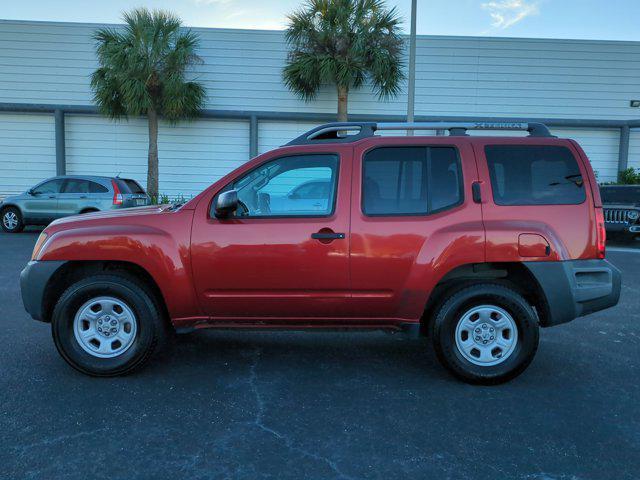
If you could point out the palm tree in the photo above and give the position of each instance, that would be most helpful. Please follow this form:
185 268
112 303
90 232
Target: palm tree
344 42
143 72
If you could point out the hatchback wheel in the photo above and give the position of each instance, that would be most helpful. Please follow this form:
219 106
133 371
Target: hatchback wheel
12 220
107 325
486 334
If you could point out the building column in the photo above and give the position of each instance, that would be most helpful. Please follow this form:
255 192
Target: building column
623 152
253 136
61 161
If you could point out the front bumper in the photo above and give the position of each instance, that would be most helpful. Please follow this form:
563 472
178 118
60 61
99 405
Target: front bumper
616 227
34 280
575 288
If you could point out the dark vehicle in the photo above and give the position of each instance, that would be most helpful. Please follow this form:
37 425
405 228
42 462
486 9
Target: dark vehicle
621 209
67 195
475 242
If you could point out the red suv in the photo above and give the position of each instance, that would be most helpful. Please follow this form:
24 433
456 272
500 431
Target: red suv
473 241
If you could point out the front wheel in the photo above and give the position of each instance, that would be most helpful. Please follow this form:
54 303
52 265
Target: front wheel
12 220
486 334
107 325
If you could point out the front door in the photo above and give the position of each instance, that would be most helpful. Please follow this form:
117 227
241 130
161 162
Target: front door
42 204
279 258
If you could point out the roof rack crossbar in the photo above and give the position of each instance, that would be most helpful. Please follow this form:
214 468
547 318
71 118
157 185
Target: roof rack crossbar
340 132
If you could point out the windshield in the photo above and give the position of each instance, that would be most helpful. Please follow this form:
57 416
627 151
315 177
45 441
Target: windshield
620 194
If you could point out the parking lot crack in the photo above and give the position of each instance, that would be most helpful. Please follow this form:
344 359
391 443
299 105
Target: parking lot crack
258 421
61 438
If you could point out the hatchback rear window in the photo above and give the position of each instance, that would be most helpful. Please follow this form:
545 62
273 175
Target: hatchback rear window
534 175
127 185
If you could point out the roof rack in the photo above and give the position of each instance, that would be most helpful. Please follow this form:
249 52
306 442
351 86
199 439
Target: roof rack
347 132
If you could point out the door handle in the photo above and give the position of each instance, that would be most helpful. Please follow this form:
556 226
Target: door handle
327 236
83 196
476 193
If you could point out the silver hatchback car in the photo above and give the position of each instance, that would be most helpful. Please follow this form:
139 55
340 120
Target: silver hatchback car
69 195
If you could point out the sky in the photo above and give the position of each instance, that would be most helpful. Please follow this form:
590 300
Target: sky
580 19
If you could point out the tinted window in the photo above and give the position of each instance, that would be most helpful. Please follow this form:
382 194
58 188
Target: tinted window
534 175
52 186
75 185
410 180
130 186
312 190
97 188
270 189
629 195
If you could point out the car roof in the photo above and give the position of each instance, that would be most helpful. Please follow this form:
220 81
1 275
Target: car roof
95 178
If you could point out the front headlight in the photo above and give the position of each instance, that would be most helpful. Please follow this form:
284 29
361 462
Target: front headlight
38 246
633 215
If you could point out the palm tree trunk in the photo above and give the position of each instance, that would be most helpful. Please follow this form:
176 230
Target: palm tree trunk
152 163
343 95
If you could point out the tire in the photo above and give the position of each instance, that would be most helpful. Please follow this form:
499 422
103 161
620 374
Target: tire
503 328
82 310
12 220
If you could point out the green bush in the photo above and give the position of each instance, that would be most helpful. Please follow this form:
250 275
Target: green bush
163 199
630 176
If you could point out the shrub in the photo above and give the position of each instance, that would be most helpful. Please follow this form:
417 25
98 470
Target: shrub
630 176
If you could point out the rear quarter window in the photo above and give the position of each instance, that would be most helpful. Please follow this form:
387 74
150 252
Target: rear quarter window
534 175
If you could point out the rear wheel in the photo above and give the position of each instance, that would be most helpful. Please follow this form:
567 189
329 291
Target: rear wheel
12 220
107 325
485 334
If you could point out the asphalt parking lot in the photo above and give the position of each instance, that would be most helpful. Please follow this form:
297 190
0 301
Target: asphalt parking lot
244 405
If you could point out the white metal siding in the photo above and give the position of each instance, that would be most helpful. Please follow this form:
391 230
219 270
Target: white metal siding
27 151
601 146
634 149
51 62
191 155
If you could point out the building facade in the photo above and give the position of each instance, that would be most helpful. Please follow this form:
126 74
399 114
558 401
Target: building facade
48 124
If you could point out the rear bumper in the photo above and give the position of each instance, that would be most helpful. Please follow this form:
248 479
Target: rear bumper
575 288
33 282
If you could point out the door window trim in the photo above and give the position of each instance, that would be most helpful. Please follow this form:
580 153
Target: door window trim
429 212
338 157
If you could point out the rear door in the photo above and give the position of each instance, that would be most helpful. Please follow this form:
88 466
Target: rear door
412 220
79 194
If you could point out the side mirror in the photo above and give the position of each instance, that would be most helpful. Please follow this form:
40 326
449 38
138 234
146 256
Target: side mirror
226 204
30 192
293 196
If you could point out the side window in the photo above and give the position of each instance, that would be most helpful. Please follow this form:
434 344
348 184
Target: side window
52 186
76 185
410 180
534 175
311 190
97 188
272 189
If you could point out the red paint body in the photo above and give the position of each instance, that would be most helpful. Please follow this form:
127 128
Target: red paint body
248 272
